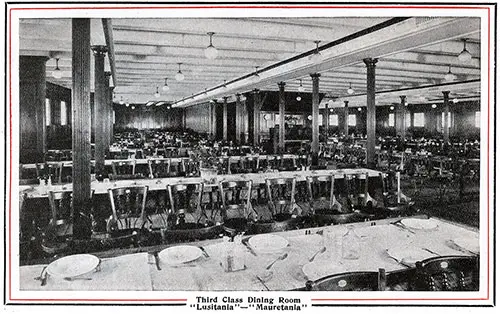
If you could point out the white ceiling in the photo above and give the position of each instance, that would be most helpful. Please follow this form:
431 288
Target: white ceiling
412 54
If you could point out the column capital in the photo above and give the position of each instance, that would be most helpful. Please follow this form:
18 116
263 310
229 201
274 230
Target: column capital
403 98
315 75
370 62
346 103
281 84
107 73
446 94
255 91
99 50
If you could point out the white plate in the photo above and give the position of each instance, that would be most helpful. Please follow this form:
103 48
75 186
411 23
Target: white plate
409 255
317 270
419 224
73 265
267 243
471 244
180 254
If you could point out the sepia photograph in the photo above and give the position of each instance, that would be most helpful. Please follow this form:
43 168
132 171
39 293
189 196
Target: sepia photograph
250 157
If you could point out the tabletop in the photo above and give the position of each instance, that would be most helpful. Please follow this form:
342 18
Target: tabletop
139 271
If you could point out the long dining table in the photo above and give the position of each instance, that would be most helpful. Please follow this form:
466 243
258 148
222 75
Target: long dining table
379 243
40 191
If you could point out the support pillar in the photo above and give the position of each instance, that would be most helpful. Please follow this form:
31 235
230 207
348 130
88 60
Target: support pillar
100 108
315 117
281 138
239 120
446 110
326 121
32 90
256 117
370 112
346 118
224 120
109 112
400 122
81 127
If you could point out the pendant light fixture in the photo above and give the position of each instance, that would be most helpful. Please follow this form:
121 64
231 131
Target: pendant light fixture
165 87
299 98
449 77
179 76
316 57
57 73
211 52
350 91
301 88
465 55
157 94
121 100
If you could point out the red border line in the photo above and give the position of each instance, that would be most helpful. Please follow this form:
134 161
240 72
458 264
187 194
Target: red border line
252 7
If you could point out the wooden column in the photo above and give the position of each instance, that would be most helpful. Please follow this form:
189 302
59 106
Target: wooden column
238 126
281 136
109 111
100 107
256 117
400 118
346 117
32 91
81 127
224 120
371 119
446 110
315 117
326 121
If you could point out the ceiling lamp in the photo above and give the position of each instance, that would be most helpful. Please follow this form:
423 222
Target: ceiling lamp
449 77
179 76
165 87
359 109
309 117
157 94
133 107
331 109
434 106
301 88
211 52
299 98
121 100
256 76
391 107
316 57
350 91
57 73
455 100
243 98
465 55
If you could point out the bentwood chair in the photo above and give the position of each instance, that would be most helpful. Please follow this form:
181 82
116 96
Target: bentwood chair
281 195
54 171
250 164
235 198
128 206
321 192
123 169
351 281
448 273
185 199
28 176
159 167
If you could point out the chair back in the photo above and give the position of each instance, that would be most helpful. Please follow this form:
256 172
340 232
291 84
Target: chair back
128 206
321 192
190 168
123 167
250 164
448 273
224 165
281 195
274 162
185 198
54 171
235 198
159 167
60 206
288 163
351 281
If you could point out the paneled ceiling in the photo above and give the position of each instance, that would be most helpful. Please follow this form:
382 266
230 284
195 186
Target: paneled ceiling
414 55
